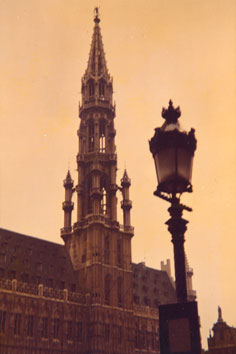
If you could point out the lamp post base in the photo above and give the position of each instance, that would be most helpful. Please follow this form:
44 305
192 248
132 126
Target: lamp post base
179 328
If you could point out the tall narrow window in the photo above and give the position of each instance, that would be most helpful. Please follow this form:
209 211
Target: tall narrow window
107 289
104 197
102 137
119 253
2 321
89 196
56 326
107 332
44 327
91 88
91 137
101 89
120 333
107 250
153 338
30 325
79 331
17 323
119 292
69 330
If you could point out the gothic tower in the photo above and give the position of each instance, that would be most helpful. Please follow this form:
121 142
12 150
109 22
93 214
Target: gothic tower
99 247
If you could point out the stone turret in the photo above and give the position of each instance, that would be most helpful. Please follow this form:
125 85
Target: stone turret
67 206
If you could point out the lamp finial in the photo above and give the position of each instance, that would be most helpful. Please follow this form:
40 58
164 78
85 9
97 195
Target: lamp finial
171 114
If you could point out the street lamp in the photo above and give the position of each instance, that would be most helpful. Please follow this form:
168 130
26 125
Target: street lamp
173 152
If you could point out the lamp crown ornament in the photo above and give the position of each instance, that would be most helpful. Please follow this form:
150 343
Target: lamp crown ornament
171 114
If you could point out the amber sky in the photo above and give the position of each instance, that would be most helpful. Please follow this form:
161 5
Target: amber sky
155 50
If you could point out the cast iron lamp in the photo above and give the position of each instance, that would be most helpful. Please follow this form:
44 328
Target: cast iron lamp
173 152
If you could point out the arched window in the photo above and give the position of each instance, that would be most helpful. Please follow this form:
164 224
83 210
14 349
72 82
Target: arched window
107 250
104 197
102 137
119 292
91 136
107 289
119 253
91 88
101 89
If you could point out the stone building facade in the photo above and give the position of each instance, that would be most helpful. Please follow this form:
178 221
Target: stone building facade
223 338
85 296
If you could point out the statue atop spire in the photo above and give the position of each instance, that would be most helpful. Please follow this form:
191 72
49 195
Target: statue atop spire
220 319
96 15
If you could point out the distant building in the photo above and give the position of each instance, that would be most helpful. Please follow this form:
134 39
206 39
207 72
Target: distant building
85 296
223 339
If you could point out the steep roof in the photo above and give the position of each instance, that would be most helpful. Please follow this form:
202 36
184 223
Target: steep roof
36 261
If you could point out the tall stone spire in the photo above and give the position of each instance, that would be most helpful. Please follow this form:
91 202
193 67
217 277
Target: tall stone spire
97 63
96 83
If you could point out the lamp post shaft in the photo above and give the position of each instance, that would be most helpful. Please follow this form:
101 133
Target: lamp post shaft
177 228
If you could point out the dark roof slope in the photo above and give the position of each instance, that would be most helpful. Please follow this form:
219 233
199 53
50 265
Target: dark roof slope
37 261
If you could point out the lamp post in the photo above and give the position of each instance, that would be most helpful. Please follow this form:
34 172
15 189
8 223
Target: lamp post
173 152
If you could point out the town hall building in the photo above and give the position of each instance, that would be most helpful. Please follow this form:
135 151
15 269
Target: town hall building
85 296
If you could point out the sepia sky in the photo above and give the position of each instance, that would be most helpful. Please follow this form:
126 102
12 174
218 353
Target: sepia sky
155 50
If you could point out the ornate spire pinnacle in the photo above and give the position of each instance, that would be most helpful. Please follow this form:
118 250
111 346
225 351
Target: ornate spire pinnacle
68 181
96 64
125 179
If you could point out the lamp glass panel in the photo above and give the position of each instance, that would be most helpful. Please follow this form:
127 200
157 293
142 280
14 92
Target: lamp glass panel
184 163
165 161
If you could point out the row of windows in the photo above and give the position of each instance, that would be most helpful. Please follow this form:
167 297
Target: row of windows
146 340
26 278
145 301
55 328
146 289
29 324
146 276
39 267
91 88
107 254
